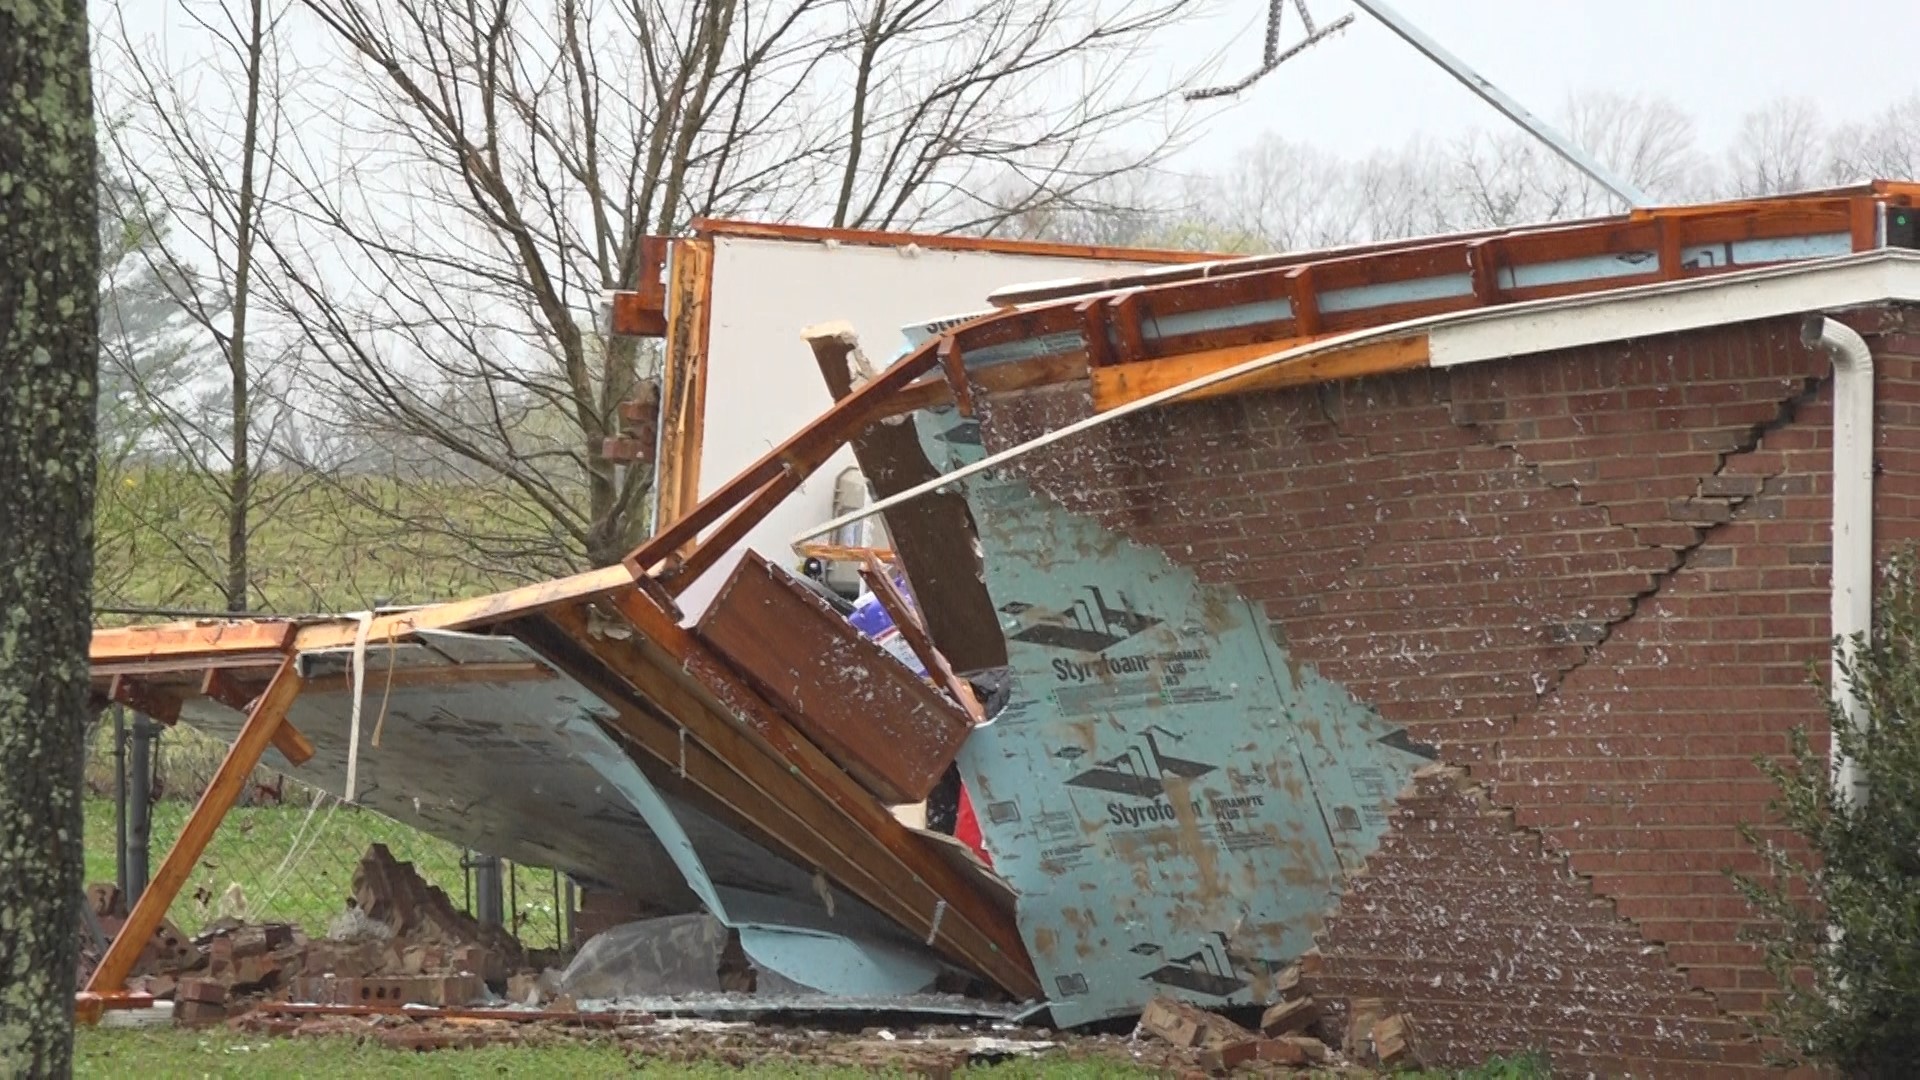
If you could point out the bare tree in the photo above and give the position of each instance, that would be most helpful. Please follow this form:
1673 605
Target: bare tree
1780 147
1886 147
1649 140
201 144
1279 195
1508 178
49 345
146 354
497 165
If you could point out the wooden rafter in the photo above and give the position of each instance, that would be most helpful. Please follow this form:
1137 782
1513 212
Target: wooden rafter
766 482
188 640
219 685
464 614
1115 386
683 378
806 761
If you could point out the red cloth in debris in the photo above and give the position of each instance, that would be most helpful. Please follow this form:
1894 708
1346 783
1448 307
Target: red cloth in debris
966 828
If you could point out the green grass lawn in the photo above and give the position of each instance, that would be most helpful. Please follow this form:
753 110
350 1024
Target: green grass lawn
251 850
173 1052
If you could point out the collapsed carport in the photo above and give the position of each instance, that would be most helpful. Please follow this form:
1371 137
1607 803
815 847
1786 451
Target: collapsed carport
577 724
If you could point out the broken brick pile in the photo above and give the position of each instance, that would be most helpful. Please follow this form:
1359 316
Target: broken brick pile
167 951
412 947
1293 1033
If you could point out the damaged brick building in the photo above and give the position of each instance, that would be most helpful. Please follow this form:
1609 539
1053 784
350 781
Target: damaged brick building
1413 613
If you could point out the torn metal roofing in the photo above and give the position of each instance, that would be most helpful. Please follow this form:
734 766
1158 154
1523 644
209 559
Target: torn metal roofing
577 725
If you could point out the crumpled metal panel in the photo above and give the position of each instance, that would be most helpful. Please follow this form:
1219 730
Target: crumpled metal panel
1175 800
520 767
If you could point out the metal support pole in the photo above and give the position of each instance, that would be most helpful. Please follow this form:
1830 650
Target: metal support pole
146 736
512 875
1501 100
120 798
488 906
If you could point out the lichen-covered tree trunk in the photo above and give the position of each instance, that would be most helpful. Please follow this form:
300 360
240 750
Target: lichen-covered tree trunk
49 344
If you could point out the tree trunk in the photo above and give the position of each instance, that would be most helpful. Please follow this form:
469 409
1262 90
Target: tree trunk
240 479
49 345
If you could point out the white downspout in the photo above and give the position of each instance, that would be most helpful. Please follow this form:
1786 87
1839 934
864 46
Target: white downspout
1852 515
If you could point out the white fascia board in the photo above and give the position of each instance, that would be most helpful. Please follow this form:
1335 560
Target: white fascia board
1544 326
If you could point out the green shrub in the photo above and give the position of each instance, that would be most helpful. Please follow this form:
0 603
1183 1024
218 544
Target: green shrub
1841 897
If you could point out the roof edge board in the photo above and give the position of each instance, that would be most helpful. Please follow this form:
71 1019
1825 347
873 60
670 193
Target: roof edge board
1674 307
1532 327
757 230
1040 293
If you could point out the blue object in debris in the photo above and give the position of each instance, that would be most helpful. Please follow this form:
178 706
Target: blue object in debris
872 620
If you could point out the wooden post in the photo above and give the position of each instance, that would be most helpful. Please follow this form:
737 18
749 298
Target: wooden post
255 735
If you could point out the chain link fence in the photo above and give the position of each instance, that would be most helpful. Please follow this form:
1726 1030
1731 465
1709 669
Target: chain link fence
286 851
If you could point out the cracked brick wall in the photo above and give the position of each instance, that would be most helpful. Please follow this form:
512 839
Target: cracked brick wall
1508 947
1595 577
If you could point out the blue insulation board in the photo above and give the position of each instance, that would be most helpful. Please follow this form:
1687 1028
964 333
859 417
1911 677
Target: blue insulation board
1175 800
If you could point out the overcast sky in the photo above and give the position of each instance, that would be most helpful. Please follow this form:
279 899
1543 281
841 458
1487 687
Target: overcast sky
1366 89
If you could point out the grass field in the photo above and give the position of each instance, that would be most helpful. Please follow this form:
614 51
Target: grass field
316 546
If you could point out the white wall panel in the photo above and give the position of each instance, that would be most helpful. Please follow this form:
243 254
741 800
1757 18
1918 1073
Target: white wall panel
762 383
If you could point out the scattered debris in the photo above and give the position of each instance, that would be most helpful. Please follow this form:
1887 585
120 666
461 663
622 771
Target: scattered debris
1287 981
1393 1042
1174 1021
1290 1017
1293 1050
1281 1042
936 1050
390 990
198 1002
1362 1014
401 943
167 953
1230 1056
525 988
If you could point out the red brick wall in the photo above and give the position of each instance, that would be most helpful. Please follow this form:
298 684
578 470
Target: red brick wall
1596 577
1509 949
